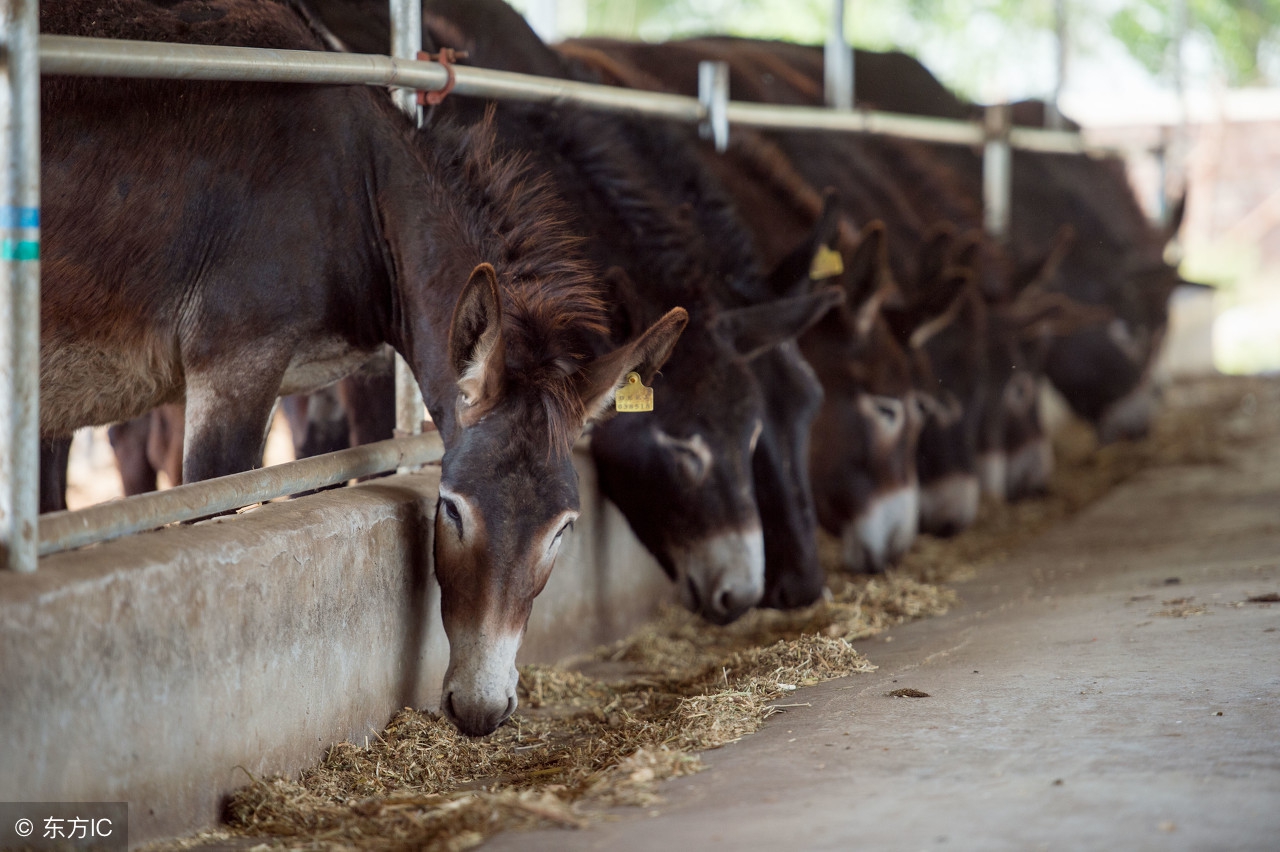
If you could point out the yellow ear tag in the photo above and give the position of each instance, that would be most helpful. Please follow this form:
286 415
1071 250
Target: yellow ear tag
633 396
827 263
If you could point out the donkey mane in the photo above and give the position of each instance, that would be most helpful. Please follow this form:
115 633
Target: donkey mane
767 161
669 244
553 309
726 241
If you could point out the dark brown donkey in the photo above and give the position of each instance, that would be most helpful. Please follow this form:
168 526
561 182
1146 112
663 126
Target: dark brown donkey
982 388
1116 262
682 474
688 475
228 243
862 464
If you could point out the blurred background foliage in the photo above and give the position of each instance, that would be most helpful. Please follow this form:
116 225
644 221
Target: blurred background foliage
970 43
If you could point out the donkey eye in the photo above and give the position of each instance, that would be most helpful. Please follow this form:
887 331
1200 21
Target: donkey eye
689 462
451 513
889 410
923 406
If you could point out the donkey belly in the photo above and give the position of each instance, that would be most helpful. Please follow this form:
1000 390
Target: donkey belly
322 362
84 384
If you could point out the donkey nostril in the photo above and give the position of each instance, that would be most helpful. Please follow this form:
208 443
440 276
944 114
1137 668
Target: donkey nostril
446 704
731 601
511 708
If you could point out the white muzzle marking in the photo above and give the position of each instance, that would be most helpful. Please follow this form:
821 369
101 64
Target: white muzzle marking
950 504
993 473
1130 416
1030 468
480 685
723 575
884 532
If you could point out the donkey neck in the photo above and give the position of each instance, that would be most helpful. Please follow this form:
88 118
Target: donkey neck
447 201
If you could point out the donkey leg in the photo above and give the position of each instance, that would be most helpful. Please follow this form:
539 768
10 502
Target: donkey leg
54 455
129 440
227 414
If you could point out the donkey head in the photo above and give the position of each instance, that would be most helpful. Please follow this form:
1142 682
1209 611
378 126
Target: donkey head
1017 454
862 460
682 473
793 395
508 489
942 324
1105 369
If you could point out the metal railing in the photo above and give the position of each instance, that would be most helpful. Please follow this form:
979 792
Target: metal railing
119 58
105 521
19 267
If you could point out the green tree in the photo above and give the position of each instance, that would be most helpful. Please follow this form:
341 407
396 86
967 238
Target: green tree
1244 35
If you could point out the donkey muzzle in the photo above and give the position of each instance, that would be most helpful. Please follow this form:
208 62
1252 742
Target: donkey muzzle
882 534
722 576
480 685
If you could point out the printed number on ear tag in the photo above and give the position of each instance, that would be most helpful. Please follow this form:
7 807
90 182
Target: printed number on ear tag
827 263
634 396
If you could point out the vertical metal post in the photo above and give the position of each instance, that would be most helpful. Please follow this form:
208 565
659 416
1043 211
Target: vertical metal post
406 42
1174 162
713 93
1053 110
997 172
19 282
839 61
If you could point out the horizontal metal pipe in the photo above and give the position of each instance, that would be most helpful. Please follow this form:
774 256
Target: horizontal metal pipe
100 57
859 121
64 530
1053 142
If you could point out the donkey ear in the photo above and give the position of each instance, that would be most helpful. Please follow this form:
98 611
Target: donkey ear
626 313
475 336
868 282
1041 314
866 267
1176 214
936 254
755 329
599 380
967 249
1042 271
794 273
954 290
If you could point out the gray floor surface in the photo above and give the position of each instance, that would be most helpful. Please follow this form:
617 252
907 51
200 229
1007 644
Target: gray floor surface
1109 687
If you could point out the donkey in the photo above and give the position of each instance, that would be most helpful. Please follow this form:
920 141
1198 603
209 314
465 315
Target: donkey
864 439
187 260
1115 264
923 198
682 474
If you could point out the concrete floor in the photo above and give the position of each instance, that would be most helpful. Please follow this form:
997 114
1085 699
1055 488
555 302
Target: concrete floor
1109 687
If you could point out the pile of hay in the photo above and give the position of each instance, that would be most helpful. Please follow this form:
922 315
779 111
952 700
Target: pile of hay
603 733
579 743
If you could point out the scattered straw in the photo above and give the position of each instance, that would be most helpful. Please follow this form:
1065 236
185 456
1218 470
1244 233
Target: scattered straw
638 711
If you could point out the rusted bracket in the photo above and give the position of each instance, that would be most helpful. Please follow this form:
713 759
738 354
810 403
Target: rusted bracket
446 57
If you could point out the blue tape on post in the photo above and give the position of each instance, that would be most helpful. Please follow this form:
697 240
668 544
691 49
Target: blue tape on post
19 217
19 249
